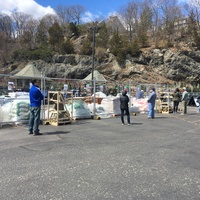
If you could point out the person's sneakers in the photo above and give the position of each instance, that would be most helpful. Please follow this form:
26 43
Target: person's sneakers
128 124
36 134
30 133
123 124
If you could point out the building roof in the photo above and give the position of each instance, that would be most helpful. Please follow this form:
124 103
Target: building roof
29 71
98 77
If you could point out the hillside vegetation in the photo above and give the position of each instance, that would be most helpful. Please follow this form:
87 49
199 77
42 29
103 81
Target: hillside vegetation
137 29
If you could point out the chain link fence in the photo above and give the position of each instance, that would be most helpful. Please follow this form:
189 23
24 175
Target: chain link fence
14 93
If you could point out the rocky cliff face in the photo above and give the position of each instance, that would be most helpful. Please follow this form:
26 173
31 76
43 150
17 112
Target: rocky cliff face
152 66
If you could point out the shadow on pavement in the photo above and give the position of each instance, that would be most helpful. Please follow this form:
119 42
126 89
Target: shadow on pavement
56 133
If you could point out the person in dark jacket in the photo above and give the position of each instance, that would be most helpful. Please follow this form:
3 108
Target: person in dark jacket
176 99
124 100
35 106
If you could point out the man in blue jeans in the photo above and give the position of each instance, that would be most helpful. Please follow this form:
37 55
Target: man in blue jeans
151 103
35 106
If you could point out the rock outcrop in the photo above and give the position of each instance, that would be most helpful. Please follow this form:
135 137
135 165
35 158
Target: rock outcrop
152 66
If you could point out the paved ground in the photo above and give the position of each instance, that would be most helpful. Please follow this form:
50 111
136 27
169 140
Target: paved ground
101 159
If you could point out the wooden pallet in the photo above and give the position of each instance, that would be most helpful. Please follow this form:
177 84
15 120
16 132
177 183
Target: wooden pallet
115 115
55 123
92 117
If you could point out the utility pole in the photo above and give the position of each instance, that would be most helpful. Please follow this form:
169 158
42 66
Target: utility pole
94 30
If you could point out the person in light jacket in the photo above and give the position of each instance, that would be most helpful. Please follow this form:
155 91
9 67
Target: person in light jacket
184 99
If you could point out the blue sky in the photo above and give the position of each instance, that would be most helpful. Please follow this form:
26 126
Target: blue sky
95 9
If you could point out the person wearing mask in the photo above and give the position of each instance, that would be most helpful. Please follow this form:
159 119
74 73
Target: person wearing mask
184 99
176 99
124 100
35 106
151 103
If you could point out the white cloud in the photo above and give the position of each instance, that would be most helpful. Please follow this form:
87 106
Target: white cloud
89 17
114 13
26 6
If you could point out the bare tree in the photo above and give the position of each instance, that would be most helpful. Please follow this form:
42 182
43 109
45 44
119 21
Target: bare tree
193 9
63 15
6 43
130 15
29 34
49 20
170 13
19 23
76 11
6 25
69 14
156 22
42 33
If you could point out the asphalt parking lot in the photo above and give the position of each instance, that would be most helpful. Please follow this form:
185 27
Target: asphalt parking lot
101 159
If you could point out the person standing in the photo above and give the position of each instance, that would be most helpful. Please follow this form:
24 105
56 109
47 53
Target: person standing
124 100
151 103
176 99
140 94
198 100
184 100
35 106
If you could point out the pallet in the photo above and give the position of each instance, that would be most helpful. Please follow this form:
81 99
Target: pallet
92 117
96 117
164 112
45 122
115 115
54 123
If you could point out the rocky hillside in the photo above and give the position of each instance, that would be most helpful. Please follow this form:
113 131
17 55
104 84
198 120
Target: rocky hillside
152 66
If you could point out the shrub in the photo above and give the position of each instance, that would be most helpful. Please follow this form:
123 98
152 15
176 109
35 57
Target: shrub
36 54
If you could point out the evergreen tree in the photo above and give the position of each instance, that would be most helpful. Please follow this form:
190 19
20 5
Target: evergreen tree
102 37
73 29
116 47
41 35
67 47
56 37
